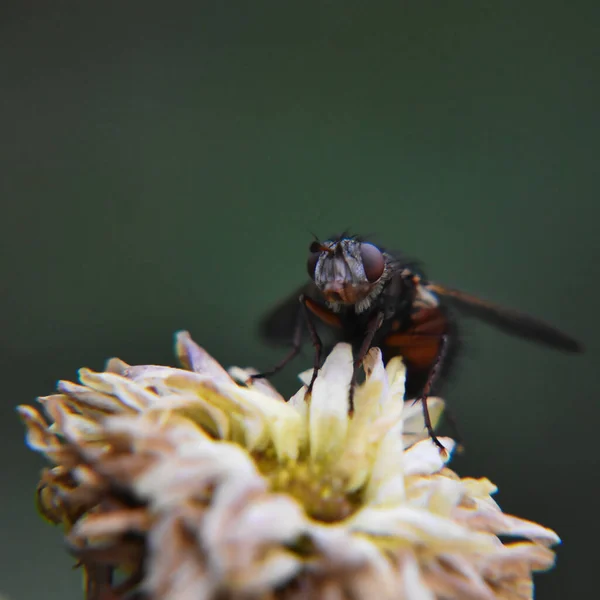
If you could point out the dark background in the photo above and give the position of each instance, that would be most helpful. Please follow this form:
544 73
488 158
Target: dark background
163 168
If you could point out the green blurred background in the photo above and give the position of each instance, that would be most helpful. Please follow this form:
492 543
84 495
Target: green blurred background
163 168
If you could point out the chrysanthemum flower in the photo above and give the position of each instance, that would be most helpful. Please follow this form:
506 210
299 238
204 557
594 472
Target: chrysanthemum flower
198 485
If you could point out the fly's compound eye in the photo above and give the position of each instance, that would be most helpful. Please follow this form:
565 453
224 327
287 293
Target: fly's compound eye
373 261
311 264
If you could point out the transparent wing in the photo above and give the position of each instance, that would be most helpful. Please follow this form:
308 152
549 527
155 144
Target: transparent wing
509 320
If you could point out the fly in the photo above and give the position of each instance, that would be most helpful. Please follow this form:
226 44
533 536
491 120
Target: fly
367 296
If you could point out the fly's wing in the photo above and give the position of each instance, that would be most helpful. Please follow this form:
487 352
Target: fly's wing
511 321
279 324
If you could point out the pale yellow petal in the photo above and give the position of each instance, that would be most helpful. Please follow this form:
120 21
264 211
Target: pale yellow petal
261 418
425 458
112 523
438 494
396 372
328 420
209 417
458 576
264 386
268 574
282 423
248 426
285 425
518 559
490 518
128 392
272 518
421 527
414 423
74 426
386 484
340 548
198 465
306 376
371 395
39 436
174 571
364 430
116 365
90 401
197 359
365 447
479 488
414 587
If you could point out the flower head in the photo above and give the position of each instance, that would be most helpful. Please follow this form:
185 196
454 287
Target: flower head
199 486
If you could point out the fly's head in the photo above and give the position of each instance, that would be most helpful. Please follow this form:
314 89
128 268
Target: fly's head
349 271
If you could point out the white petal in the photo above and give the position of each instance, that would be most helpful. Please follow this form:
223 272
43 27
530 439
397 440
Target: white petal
386 484
299 403
244 376
425 458
273 518
414 587
306 376
261 419
270 573
489 517
481 488
128 392
174 571
246 534
197 359
421 527
459 575
329 405
73 426
236 489
369 573
214 420
365 430
441 495
396 372
414 423
340 547
371 395
249 425
363 447
519 558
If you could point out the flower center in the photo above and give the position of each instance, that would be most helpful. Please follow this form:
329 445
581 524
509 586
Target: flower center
322 494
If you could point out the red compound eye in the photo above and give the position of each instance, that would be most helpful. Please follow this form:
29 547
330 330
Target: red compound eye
373 261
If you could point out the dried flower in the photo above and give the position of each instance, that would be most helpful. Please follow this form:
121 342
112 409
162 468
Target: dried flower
197 487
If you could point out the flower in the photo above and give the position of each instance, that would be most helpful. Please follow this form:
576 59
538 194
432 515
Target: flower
200 483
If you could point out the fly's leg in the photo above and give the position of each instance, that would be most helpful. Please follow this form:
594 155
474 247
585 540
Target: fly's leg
374 324
316 342
296 346
303 319
434 373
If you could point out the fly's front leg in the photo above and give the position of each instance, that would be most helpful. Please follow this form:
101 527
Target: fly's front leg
316 342
303 319
296 345
372 328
